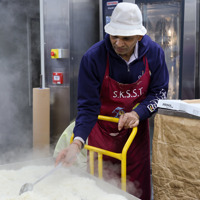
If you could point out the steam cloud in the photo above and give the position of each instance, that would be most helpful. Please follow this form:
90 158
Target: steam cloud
15 107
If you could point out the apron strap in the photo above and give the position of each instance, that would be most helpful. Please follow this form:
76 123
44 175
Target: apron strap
146 64
107 66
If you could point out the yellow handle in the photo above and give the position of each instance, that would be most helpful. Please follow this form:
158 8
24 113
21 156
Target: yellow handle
109 119
101 117
120 156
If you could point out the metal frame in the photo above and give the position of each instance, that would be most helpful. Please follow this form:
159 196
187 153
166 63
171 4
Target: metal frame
120 156
197 77
189 59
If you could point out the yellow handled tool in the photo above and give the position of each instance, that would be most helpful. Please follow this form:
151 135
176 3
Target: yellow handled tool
120 156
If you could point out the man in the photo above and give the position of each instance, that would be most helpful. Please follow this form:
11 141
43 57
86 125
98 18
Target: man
122 76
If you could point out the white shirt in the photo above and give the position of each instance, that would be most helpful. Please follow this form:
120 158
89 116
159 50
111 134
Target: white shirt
134 56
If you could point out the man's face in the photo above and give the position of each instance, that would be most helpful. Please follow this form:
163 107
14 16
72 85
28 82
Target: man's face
124 45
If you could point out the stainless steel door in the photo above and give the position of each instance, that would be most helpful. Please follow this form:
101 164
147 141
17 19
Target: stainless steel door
175 26
71 25
190 67
163 22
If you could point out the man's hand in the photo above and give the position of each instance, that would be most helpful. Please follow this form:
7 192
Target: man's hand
69 155
128 120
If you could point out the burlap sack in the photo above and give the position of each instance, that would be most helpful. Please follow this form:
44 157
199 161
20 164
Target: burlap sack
176 158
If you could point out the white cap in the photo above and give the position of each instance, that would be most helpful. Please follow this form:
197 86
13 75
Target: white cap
126 20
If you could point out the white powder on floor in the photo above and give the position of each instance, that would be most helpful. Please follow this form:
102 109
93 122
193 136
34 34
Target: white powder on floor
61 185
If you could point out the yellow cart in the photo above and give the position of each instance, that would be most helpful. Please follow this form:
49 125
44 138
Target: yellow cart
120 156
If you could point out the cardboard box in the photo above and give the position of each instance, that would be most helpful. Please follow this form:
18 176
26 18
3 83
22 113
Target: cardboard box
41 120
189 106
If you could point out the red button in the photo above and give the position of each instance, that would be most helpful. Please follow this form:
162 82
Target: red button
52 53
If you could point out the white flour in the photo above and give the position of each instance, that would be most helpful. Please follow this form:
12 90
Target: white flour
61 185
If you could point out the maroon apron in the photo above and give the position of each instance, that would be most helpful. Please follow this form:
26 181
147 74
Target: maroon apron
116 99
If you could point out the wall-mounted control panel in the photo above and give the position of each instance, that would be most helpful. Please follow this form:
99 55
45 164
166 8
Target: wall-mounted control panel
59 53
